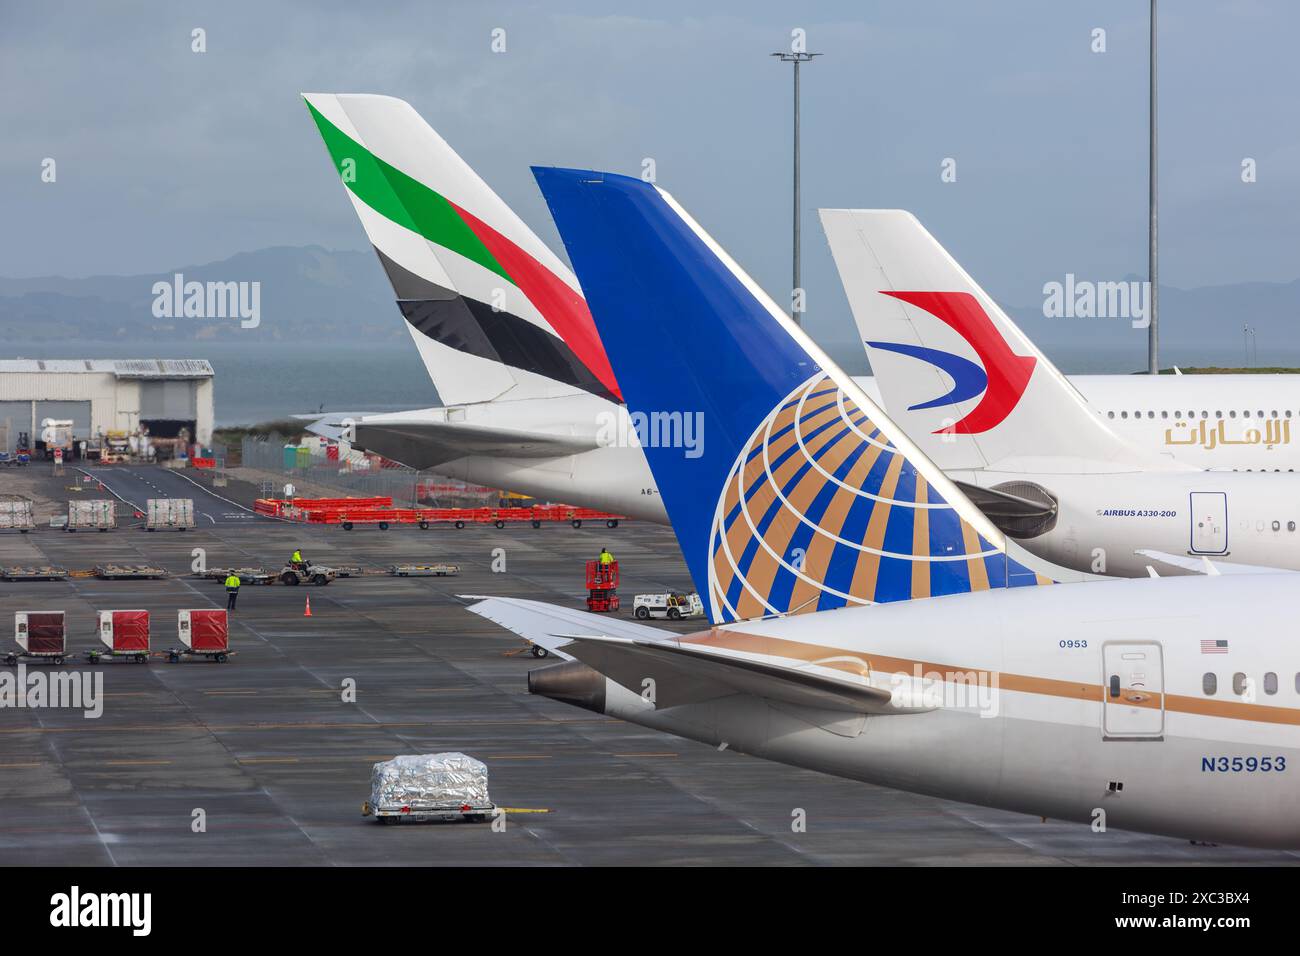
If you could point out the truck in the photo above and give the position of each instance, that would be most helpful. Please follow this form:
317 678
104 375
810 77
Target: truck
672 606
175 513
56 435
99 514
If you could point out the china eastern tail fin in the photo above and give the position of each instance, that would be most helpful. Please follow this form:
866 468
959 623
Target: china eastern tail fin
788 489
493 312
953 370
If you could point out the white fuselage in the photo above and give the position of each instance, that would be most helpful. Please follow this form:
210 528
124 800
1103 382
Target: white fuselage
1117 513
1054 701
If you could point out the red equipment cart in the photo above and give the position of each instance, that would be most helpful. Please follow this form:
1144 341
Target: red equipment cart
125 634
602 586
41 635
204 632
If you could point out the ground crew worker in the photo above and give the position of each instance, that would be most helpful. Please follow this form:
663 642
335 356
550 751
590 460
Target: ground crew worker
296 560
605 557
232 590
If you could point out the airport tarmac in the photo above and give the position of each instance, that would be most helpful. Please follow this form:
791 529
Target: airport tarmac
278 763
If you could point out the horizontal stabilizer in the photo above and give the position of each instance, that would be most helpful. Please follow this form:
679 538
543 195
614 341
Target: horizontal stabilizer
551 626
425 442
1203 565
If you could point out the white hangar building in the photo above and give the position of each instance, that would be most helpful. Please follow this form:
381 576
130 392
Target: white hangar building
102 395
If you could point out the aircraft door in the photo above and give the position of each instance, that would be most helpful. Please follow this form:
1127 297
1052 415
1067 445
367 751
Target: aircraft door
1209 518
1133 694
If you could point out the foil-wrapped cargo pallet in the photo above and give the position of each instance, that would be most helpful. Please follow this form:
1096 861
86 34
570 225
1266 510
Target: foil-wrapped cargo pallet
442 786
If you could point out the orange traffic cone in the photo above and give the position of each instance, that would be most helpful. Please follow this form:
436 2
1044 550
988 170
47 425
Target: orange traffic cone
307 612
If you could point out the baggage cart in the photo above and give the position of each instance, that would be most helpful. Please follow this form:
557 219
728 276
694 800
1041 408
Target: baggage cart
125 634
41 635
203 632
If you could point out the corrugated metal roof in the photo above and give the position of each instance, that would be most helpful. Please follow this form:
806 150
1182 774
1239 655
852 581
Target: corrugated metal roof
122 368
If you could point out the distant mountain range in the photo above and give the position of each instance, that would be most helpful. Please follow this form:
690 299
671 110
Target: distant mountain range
342 296
305 291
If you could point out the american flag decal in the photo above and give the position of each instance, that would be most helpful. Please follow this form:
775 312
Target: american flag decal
1214 647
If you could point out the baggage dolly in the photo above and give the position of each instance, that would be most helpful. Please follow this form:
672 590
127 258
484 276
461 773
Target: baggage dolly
41 635
125 634
203 632
463 813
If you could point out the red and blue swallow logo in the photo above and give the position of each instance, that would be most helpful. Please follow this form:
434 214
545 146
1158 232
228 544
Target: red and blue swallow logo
1003 377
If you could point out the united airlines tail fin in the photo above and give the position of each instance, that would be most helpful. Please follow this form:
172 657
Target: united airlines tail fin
788 489
493 311
953 370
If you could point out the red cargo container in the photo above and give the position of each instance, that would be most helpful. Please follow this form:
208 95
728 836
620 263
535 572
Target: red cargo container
204 631
125 632
40 633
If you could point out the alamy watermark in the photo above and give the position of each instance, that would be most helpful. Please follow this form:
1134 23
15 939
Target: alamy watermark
179 299
1085 299
684 430
40 688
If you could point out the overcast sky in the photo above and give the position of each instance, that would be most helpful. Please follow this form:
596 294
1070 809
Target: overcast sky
168 157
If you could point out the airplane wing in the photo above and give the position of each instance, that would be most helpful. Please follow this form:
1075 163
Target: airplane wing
1203 565
629 654
554 627
684 674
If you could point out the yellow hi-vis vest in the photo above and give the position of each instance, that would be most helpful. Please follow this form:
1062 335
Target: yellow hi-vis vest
606 558
232 581
297 557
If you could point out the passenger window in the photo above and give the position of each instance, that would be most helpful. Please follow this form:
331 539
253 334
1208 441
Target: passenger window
1210 684
1270 683
1123 414
1110 414
1178 414
1218 414
1164 414
1151 414
1246 413
1239 684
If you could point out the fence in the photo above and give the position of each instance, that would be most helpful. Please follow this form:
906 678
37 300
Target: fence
407 487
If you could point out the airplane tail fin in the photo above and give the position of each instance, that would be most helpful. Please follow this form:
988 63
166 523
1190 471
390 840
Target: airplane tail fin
788 489
493 312
953 369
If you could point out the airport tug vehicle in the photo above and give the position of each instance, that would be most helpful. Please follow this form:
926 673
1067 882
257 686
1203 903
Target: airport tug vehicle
125 634
306 573
203 632
41 635
672 606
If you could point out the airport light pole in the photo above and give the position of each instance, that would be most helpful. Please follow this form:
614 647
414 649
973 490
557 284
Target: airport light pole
796 58
1153 299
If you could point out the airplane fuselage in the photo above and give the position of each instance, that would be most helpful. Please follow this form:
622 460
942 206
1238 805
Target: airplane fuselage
1251 520
1117 709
